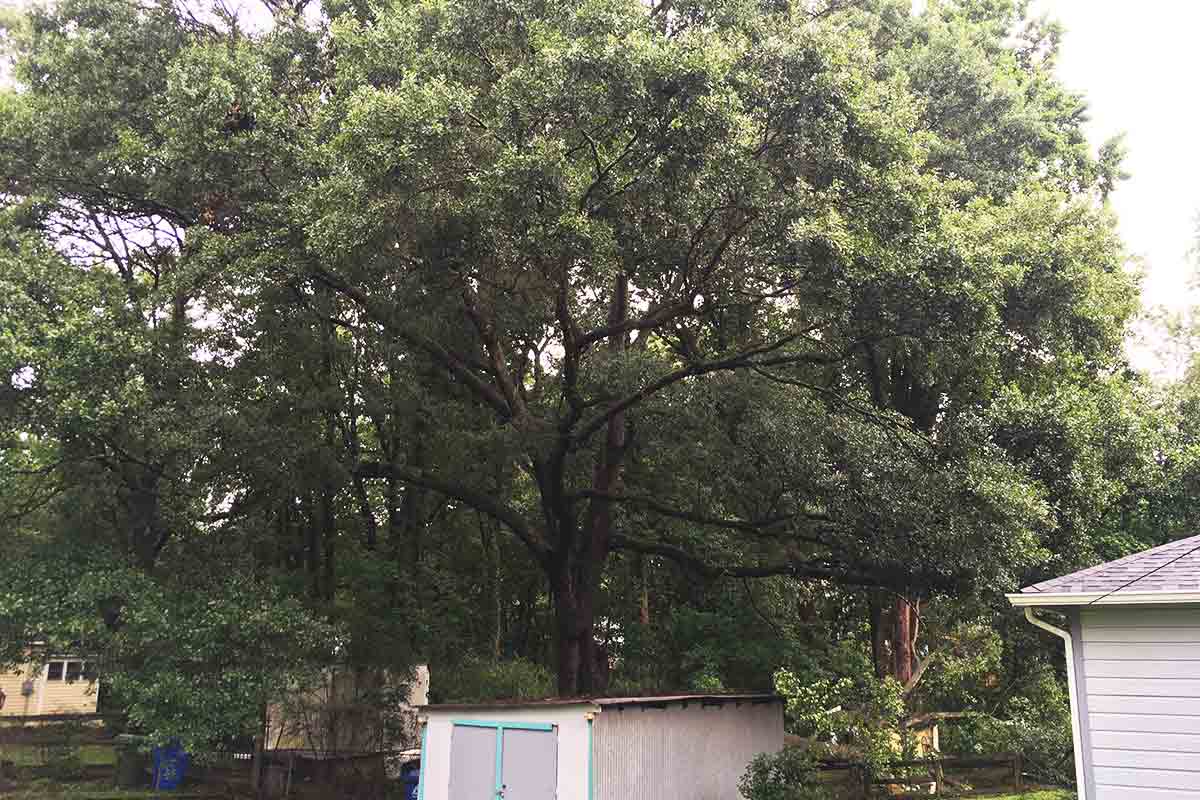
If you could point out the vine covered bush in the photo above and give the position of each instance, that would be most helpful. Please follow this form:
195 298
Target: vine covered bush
1036 724
790 774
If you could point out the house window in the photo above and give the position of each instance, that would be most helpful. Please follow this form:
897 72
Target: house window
54 671
74 670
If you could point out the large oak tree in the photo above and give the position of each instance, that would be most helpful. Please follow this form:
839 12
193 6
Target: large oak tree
731 285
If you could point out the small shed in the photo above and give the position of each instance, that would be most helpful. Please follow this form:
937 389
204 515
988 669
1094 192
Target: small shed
693 746
1132 641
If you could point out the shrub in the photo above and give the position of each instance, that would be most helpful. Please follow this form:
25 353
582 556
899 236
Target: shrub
64 762
1036 724
790 774
866 722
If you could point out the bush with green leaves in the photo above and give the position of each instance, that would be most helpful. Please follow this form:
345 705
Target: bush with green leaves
1036 724
64 762
864 715
790 774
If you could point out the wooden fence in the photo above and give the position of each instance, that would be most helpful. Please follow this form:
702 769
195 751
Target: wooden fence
93 755
942 776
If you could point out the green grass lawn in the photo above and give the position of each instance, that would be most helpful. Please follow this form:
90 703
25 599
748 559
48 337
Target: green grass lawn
96 790
1043 794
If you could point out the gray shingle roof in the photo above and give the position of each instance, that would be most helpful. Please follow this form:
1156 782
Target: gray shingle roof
1173 567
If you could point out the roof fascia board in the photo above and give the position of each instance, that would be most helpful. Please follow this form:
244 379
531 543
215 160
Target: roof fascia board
1051 599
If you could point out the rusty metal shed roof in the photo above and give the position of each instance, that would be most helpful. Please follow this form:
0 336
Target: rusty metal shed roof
650 700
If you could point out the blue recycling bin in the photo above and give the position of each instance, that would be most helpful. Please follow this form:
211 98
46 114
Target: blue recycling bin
411 777
170 766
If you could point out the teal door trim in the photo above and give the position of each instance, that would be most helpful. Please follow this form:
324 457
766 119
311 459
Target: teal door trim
512 726
499 762
424 755
591 749
500 728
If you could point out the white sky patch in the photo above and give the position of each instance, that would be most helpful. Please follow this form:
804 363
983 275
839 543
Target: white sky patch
23 378
1137 66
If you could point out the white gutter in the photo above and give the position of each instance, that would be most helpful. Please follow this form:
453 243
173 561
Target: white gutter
1072 693
1049 599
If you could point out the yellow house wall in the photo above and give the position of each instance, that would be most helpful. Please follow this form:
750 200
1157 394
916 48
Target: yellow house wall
10 683
49 697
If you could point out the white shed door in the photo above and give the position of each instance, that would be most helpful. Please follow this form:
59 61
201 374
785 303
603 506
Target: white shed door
503 761
472 763
1140 692
530 765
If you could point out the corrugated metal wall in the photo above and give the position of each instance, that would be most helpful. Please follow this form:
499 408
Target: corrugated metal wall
692 752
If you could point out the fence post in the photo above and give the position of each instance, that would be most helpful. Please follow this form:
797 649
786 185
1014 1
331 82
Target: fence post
860 778
1018 772
939 777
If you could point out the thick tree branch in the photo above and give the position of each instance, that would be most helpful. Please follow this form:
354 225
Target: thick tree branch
758 527
755 357
935 716
654 319
479 500
817 570
919 672
495 350
451 362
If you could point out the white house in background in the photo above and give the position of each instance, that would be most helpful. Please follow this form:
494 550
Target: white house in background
693 747
351 711
58 685
1133 669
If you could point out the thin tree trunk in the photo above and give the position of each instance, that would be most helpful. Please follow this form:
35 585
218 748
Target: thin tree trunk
328 490
257 770
644 582
491 548
902 642
329 543
312 551
878 636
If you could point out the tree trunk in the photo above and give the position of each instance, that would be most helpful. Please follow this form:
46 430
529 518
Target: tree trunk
902 642
312 549
257 765
576 568
573 622
490 540
328 546
644 583
878 636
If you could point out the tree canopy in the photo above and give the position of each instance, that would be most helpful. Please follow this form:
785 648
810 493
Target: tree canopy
598 335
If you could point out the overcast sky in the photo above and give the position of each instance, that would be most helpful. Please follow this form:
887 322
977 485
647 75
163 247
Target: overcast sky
1138 64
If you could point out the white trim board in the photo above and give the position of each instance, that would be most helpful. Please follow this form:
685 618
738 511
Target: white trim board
1052 599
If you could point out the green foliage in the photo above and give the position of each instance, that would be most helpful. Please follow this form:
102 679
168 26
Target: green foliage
1036 723
808 705
441 330
790 774
864 715
478 680
64 762
193 657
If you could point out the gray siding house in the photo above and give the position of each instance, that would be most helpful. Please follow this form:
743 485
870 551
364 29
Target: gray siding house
1132 640
679 747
